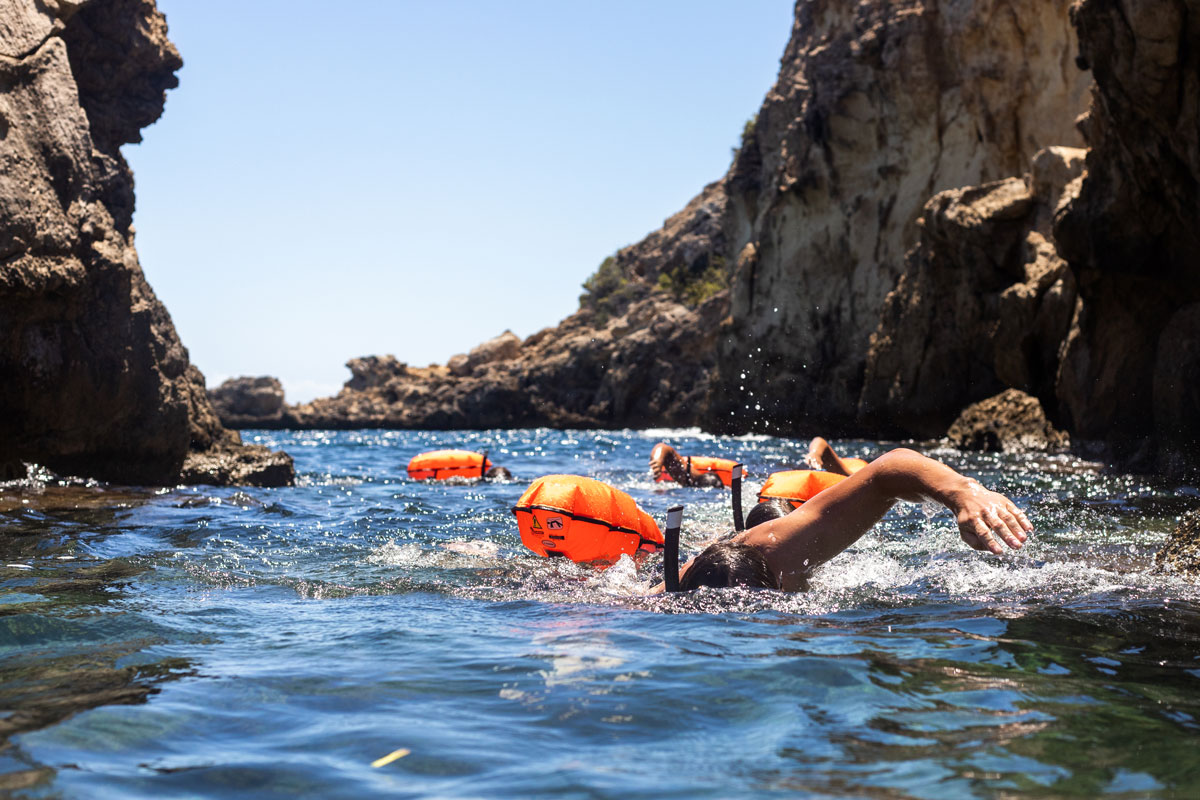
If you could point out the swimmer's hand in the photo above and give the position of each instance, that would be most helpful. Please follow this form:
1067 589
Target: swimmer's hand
985 518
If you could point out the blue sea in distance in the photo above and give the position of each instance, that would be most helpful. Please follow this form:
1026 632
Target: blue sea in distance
205 642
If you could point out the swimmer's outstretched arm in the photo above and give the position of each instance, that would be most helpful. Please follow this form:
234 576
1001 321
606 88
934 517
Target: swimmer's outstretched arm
838 516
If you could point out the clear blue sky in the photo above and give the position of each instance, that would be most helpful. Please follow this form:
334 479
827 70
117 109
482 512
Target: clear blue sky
333 180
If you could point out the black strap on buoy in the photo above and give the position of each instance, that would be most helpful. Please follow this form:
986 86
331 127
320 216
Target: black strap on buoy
671 548
483 465
735 485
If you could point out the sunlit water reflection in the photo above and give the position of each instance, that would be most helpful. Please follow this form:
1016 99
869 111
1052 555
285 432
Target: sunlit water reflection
274 642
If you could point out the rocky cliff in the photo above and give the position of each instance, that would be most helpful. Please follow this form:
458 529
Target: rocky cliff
95 380
1080 283
936 202
878 106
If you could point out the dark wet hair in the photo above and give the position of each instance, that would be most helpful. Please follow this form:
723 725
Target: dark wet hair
707 480
499 473
726 564
768 510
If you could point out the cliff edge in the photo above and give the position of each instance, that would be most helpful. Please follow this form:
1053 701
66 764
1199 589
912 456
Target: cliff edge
95 380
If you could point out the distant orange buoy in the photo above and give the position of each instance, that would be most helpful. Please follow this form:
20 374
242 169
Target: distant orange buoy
442 464
584 520
797 485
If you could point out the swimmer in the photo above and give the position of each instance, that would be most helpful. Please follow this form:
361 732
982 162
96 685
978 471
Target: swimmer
684 470
781 553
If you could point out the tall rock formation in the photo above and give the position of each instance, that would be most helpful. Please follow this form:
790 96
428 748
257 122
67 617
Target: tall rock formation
878 106
984 303
94 378
1131 364
1079 284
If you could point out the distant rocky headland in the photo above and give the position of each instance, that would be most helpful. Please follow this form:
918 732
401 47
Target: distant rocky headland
935 205
94 380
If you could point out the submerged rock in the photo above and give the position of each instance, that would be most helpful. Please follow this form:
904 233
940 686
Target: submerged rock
1181 553
1010 422
232 463
96 381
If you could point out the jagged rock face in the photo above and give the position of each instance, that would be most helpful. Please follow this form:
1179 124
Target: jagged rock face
504 347
878 106
96 381
1132 236
984 303
647 366
1010 422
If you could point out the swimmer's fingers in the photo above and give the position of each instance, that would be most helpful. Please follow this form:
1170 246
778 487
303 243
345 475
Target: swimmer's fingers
1002 523
1026 525
976 532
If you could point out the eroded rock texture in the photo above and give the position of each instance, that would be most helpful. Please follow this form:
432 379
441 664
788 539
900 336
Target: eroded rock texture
95 380
1010 422
1079 284
1131 364
878 106
984 303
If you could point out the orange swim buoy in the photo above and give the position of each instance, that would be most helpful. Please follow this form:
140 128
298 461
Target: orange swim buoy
854 464
722 467
797 485
584 520
442 464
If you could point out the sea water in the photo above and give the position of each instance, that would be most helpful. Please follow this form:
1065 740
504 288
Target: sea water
244 642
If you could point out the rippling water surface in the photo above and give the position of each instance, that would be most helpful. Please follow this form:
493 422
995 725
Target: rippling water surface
205 642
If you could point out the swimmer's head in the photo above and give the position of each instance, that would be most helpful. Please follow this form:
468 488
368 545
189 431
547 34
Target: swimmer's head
727 564
498 474
767 511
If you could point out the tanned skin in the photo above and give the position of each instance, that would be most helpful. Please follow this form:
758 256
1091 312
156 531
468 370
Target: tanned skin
664 458
838 516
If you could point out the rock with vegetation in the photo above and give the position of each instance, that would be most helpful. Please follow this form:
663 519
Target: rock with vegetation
96 381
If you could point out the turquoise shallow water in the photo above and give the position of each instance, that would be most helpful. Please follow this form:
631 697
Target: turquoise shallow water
206 642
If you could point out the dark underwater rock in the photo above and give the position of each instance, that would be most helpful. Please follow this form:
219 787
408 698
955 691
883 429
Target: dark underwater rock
1181 553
